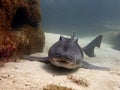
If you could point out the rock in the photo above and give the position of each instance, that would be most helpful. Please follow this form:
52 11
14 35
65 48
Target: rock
20 31
112 38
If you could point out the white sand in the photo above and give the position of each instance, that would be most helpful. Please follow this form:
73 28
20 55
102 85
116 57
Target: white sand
27 75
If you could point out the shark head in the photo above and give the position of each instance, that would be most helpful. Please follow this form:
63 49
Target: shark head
66 53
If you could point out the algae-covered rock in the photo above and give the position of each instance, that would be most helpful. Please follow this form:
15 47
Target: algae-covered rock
20 31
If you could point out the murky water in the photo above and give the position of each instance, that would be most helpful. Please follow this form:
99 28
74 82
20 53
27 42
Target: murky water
85 17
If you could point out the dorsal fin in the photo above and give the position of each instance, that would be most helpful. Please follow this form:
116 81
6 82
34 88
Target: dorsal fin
73 35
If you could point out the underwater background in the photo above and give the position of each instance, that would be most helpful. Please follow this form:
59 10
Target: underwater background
85 17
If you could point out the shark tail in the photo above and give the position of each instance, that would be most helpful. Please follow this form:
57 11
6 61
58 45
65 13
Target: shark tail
89 49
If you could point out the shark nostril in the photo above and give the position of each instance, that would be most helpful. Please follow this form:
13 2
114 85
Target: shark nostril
56 54
70 57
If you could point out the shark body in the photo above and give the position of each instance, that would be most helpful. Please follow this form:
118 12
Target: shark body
67 53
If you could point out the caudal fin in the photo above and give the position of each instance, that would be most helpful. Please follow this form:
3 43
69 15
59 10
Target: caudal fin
89 49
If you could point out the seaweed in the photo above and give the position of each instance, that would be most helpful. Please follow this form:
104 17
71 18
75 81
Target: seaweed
56 87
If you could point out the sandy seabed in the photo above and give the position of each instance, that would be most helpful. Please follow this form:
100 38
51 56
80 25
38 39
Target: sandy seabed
33 75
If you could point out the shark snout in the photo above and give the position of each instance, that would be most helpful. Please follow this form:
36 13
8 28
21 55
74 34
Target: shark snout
64 56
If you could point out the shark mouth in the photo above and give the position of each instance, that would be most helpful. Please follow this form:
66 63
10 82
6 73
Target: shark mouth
62 60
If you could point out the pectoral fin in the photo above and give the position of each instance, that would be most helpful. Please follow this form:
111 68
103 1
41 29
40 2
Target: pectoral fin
90 66
32 58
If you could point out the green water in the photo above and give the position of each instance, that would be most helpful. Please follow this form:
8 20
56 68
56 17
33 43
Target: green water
85 17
